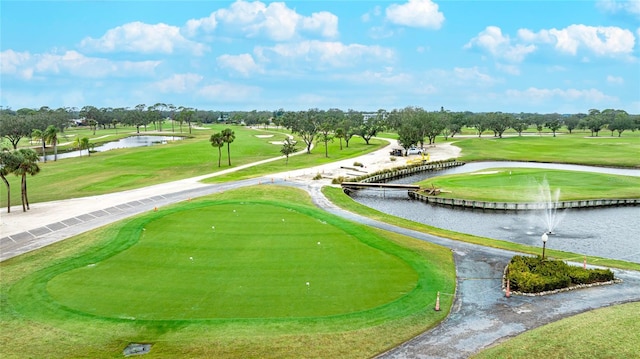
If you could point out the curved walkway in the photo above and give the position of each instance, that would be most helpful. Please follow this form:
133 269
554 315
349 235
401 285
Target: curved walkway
481 314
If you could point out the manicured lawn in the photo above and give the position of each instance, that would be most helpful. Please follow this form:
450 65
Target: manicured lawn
578 148
123 169
612 332
522 185
225 276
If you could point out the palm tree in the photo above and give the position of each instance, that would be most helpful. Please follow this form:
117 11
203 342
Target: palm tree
51 136
77 143
227 137
9 162
84 144
217 141
40 135
28 166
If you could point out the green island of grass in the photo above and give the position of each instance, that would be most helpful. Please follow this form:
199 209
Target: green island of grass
522 185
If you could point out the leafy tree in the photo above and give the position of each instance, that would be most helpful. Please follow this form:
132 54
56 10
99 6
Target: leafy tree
594 121
480 122
553 125
351 124
288 147
368 129
186 114
572 122
14 128
499 122
409 135
217 141
91 114
228 136
9 162
519 125
28 166
620 122
455 122
326 125
305 124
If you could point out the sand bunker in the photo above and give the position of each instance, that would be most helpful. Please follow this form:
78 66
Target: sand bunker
263 136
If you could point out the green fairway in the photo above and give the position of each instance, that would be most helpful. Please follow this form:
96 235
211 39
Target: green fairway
576 149
258 270
522 184
123 169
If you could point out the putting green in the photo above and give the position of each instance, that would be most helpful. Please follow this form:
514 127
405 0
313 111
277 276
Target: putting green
234 259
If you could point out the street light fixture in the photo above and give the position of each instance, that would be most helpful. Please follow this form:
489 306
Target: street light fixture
544 243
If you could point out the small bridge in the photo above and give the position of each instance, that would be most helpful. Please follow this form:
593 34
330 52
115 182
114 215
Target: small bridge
351 186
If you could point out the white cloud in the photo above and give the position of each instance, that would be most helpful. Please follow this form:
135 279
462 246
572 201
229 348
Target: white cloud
73 63
228 92
600 40
178 83
615 80
500 46
274 21
139 37
416 13
242 64
510 69
13 63
326 54
376 11
539 95
631 7
472 75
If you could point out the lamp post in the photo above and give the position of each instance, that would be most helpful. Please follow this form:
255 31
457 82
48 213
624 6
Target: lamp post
544 243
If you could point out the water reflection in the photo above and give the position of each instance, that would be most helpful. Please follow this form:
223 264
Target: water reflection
611 232
127 142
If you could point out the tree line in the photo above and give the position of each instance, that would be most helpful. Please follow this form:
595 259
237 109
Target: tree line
414 126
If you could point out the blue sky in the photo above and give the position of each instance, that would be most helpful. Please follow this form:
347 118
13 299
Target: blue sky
509 56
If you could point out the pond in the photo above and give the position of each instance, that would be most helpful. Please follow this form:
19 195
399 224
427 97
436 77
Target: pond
611 232
127 142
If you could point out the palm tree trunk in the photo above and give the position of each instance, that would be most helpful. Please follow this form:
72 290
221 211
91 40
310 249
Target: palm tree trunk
44 153
26 197
6 182
219 155
229 153
55 150
23 191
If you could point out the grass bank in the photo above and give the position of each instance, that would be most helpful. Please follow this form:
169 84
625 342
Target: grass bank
522 185
576 149
612 332
194 280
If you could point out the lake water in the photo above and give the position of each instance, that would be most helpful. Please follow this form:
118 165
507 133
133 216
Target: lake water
612 232
127 142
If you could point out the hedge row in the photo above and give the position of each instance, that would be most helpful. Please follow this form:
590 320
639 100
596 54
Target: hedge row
534 275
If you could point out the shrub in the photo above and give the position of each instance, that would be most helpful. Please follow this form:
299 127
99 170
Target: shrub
534 275
358 164
317 177
338 180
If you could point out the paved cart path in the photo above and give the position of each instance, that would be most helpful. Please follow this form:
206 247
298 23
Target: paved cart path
481 315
